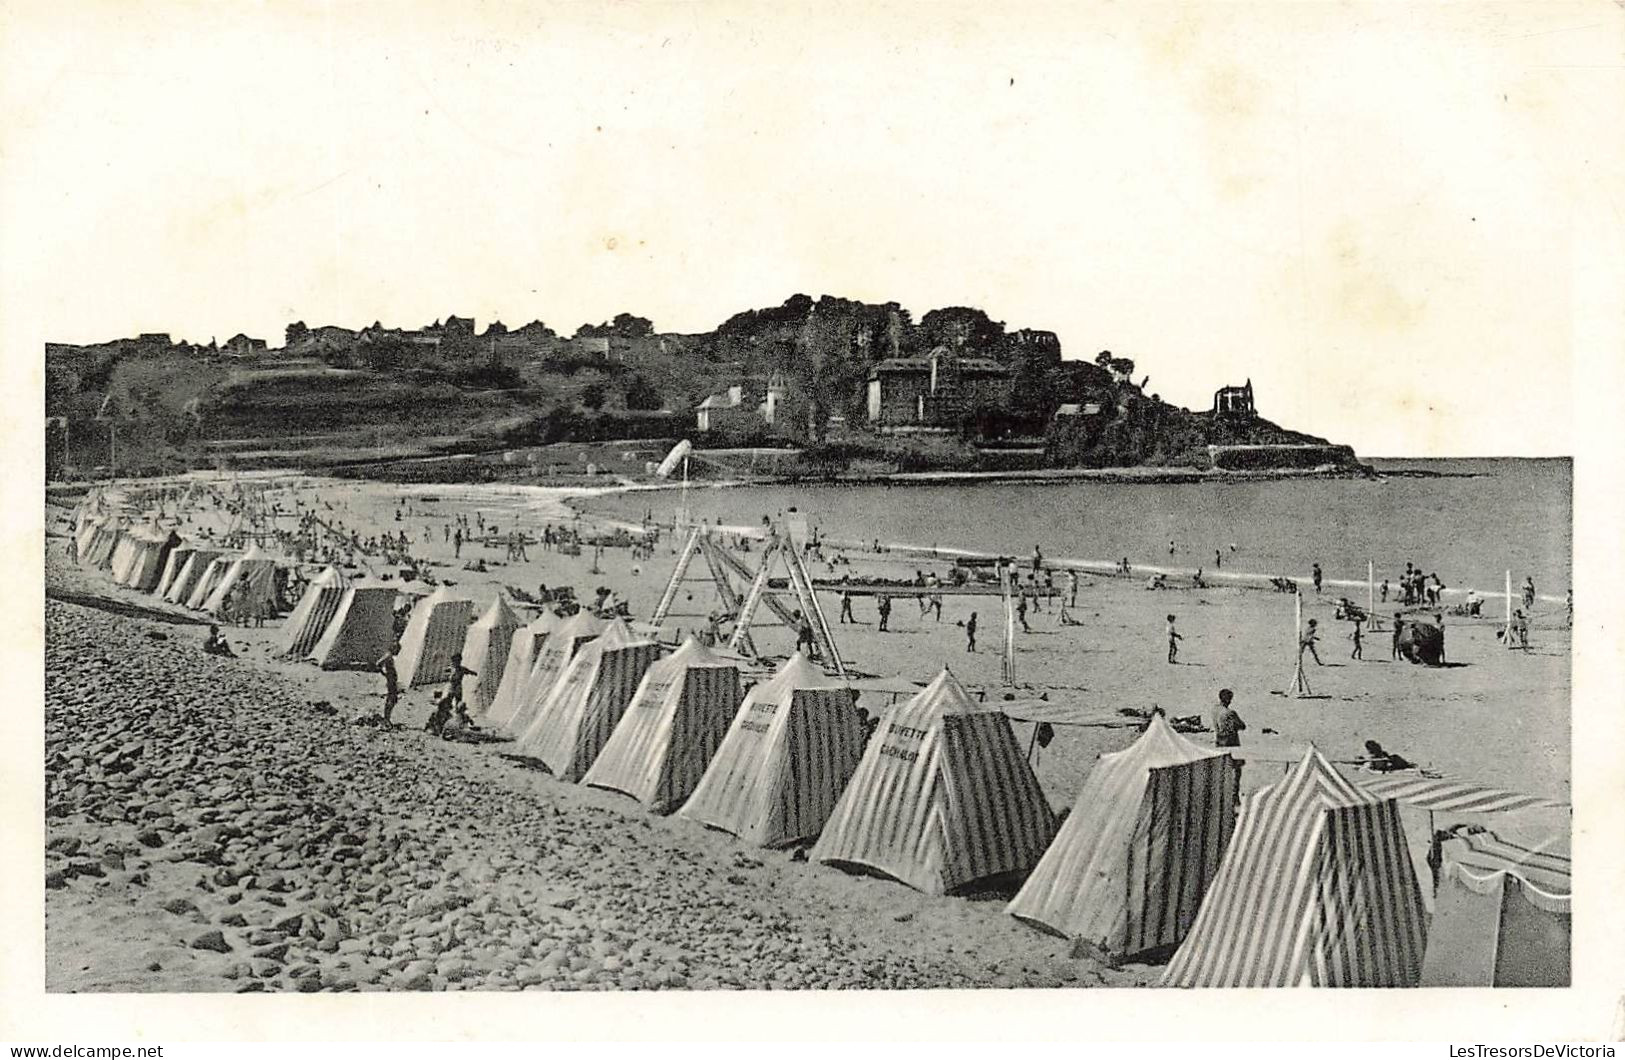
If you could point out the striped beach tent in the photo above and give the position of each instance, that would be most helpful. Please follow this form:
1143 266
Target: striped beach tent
434 633
209 580
1451 795
174 563
362 630
672 727
1501 917
142 563
1128 870
788 753
126 547
552 659
522 651
101 537
309 618
249 583
191 572
485 651
942 799
1317 889
588 701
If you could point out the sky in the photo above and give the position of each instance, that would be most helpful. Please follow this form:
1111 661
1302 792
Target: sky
1380 214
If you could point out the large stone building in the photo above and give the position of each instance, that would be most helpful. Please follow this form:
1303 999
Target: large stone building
1235 401
933 393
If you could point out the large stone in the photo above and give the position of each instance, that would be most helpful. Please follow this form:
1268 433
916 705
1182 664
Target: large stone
211 940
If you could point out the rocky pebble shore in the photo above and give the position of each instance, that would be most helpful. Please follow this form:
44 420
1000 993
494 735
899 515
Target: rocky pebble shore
209 826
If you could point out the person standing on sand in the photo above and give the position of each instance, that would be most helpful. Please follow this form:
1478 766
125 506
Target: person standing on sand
846 607
1071 588
1394 647
454 687
883 604
1355 637
1038 560
1529 593
1307 642
1021 613
1384 590
1173 641
392 683
804 635
970 632
457 543
1227 724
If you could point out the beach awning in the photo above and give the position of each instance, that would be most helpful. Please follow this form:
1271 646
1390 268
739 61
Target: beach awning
1451 795
1041 710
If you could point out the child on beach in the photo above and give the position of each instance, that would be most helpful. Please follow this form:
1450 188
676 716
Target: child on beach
1173 641
1021 613
454 688
1307 642
1355 637
970 632
392 683
1227 724
883 604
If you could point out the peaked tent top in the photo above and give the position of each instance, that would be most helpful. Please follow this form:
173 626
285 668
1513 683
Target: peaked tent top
442 595
254 551
797 672
332 576
617 634
944 695
498 616
692 653
1160 746
1315 773
546 622
580 624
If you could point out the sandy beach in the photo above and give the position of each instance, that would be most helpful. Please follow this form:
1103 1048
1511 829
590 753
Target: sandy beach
202 813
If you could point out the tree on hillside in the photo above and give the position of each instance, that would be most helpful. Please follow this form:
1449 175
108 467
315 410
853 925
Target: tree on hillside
295 334
961 328
593 395
641 395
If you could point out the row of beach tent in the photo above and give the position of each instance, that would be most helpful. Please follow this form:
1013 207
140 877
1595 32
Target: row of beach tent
1308 881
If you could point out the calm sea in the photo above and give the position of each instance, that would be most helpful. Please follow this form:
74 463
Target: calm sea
1470 524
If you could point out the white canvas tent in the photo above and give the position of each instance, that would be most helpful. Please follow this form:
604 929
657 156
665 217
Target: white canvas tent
310 616
138 561
174 563
191 573
784 760
249 585
434 633
522 651
1129 868
485 651
209 580
556 652
362 629
672 727
587 703
942 799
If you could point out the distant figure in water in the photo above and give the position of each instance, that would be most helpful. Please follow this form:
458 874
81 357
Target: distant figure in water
1038 559
1173 641
1170 548
1314 575
1384 590
1529 594
1072 590
1218 560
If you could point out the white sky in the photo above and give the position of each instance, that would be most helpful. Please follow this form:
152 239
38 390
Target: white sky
1372 211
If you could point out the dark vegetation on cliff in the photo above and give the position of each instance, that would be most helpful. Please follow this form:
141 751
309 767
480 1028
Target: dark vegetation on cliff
332 396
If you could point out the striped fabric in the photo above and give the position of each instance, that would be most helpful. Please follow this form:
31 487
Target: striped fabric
672 727
173 564
1316 889
1129 868
309 618
253 571
943 797
181 589
1444 794
781 766
551 662
485 651
362 629
587 703
522 651
126 548
515 672
101 537
1502 916
209 580
434 633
